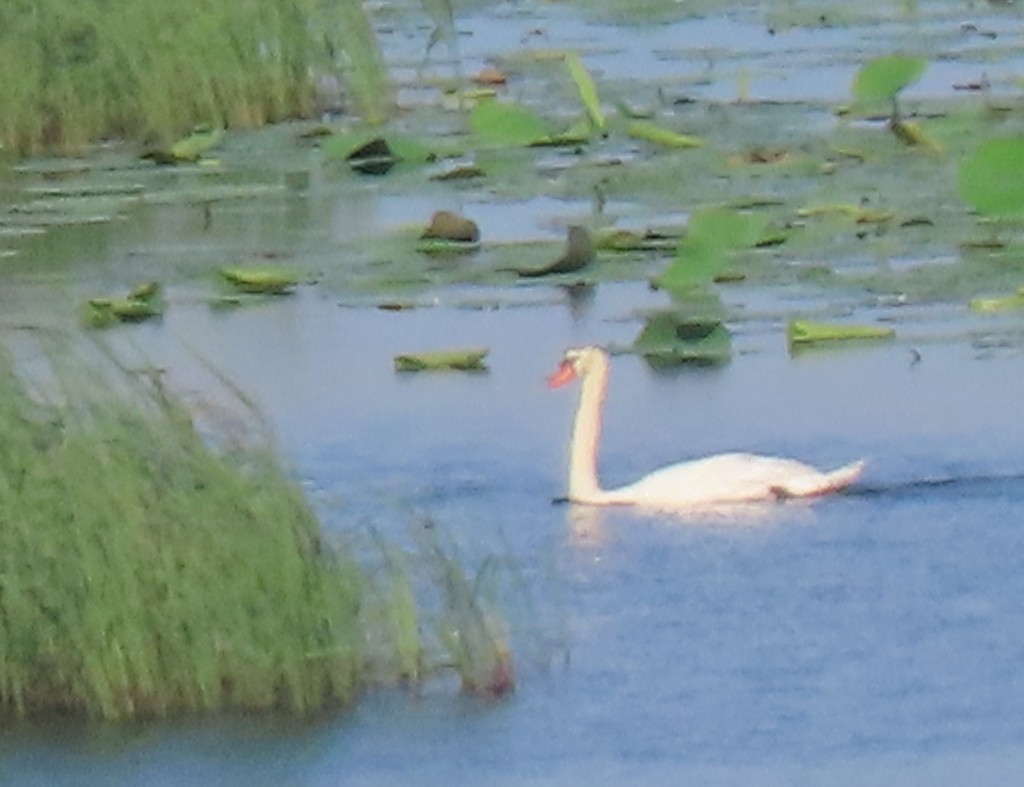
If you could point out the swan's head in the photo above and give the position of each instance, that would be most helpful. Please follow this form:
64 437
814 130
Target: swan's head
578 362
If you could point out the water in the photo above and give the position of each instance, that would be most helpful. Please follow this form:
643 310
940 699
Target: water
872 636
869 638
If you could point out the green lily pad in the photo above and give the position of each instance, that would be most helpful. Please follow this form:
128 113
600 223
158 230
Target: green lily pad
670 338
881 78
271 281
501 124
443 360
711 235
804 332
992 178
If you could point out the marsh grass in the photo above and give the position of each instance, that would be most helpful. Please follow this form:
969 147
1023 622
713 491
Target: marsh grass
148 572
76 71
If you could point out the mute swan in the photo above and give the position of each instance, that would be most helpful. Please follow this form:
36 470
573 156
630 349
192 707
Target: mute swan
727 478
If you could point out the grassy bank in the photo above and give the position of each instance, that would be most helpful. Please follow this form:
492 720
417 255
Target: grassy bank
146 574
73 72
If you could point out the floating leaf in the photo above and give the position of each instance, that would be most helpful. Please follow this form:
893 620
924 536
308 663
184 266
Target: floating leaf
270 281
881 78
446 225
506 125
366 153
576 134
586 87
459 360
806 332
1001 304
374 157
618 239
442 246
992 178
579 250
651 132
142 303
858 213
670 338
193 146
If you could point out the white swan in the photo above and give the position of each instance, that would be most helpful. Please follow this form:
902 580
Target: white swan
723 479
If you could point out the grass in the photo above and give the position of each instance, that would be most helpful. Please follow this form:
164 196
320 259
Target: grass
74 72
145 573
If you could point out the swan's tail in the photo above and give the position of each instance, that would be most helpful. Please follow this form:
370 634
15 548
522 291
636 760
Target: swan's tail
822 483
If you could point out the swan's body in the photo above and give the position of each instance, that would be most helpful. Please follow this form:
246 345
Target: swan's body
723 479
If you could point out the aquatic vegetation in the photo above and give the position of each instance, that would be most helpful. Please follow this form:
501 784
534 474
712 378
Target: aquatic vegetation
267 281
74 73
882 78
148 572
672 337
587 89
806 332
991 179
142 302
466 360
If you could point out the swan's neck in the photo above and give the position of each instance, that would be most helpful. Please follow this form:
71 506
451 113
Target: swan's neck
586 434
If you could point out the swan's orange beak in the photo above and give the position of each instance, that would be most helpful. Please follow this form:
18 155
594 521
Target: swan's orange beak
564 375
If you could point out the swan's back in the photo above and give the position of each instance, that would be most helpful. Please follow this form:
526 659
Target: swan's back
735 477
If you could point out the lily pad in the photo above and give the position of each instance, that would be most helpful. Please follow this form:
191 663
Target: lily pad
992 178
703 251
670 338
804 332
443 360
881 78
270 281
502 124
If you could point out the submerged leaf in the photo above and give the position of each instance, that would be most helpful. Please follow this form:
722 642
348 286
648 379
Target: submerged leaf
586 87
992 178
459 360
651 132
806 332
881 78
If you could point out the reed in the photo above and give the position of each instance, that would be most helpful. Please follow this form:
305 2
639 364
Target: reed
146 574
146 571
77 71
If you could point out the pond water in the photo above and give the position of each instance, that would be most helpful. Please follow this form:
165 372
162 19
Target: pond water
873 637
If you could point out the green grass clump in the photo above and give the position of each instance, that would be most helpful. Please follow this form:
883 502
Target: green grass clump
145 573
76 71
